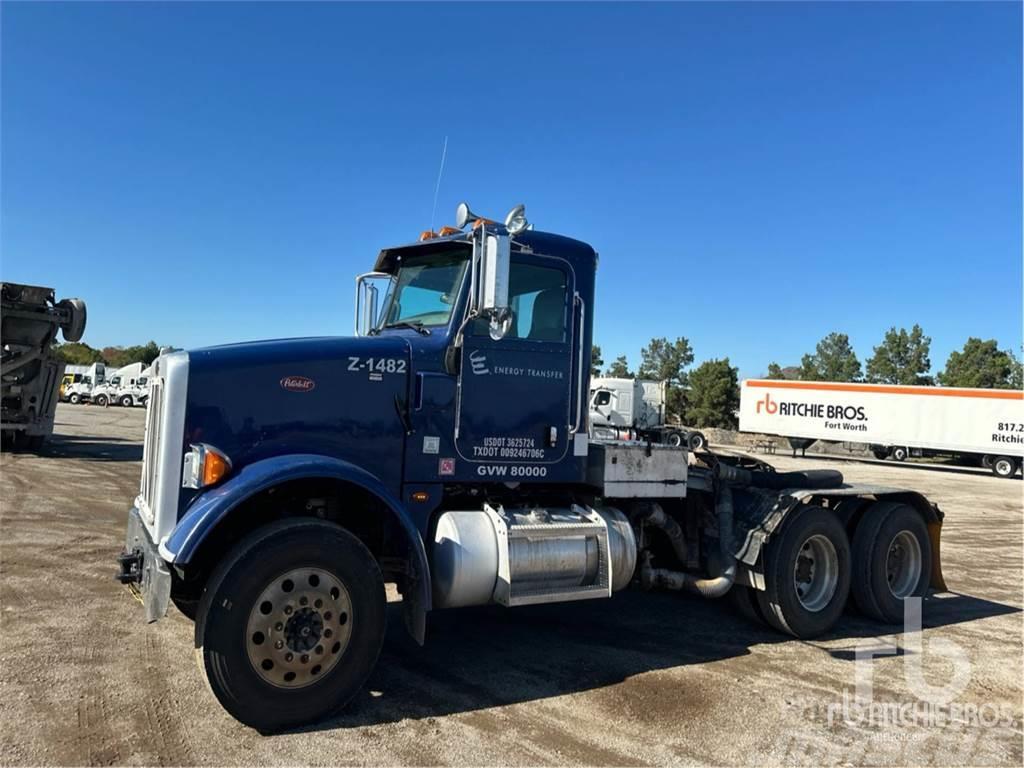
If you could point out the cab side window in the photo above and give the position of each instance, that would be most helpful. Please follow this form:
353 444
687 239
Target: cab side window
537 296
603 397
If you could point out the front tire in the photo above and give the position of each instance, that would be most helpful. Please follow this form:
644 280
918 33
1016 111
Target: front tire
291 624
899 453
807 574
674 438
892 560
75 399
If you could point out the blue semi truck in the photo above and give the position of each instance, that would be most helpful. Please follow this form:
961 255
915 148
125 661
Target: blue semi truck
444 448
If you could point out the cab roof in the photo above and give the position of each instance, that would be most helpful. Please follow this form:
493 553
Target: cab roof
576 252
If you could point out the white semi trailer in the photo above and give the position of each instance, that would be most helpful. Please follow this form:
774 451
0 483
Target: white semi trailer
635 408
982 425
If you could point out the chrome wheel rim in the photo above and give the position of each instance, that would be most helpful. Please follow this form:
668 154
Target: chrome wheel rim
1003 467
816 573
299 627
903 564
675 440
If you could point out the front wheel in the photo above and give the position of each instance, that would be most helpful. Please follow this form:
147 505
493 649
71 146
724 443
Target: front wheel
291 624
75 399
674 438
807 573
899 453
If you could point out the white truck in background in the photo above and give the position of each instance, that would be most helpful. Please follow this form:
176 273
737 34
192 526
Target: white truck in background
984 426
79 381
127 386
635 408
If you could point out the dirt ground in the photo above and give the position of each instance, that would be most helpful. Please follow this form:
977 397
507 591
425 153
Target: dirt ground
639 679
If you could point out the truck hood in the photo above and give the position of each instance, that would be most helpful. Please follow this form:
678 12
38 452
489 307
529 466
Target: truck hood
336 396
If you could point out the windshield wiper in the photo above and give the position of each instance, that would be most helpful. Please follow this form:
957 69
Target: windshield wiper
416 326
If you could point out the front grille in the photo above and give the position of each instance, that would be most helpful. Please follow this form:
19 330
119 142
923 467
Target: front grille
151 448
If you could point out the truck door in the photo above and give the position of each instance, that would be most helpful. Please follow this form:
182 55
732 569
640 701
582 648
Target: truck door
516 393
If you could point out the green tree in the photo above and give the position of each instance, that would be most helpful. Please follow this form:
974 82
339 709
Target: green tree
714 395
77 353
118 357
982 364
595 360
619 368
833 360
775 371
667 361
901 358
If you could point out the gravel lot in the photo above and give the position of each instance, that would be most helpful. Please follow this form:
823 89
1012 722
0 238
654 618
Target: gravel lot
639 679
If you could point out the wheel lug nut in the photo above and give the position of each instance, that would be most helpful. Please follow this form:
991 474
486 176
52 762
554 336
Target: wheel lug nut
318 603
303 601
305 658
327 616
288 610
278 627
279 644
320 649
327 633
288 657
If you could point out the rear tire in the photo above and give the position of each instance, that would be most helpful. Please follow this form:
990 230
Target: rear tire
696 441
101 400
674 438
744 600
880 453
1004 466
892 560
899 453
126 401
291 624
807 574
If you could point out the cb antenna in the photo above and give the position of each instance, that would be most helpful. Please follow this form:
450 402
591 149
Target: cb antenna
437 187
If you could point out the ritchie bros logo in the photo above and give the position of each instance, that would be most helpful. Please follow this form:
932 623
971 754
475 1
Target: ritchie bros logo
812 410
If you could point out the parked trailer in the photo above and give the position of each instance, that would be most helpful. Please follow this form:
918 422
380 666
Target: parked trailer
30 371
445 449
636 408
985 426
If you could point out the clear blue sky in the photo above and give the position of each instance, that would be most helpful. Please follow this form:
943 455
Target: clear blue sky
753 176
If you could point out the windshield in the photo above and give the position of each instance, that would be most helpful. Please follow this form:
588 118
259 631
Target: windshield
426 290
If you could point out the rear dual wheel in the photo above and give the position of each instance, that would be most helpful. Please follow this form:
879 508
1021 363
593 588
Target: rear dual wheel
807 574
892 560
291 624
1003 466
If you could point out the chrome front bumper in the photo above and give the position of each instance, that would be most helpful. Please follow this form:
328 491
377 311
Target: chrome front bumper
143 570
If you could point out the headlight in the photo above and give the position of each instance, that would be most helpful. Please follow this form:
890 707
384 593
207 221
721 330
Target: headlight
204 465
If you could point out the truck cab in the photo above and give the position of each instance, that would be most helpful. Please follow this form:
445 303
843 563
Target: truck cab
445 448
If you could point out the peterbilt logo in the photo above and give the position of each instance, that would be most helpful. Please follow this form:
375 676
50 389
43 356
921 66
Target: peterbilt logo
298 384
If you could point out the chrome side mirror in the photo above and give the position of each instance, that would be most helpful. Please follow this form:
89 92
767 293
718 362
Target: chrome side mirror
368 304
